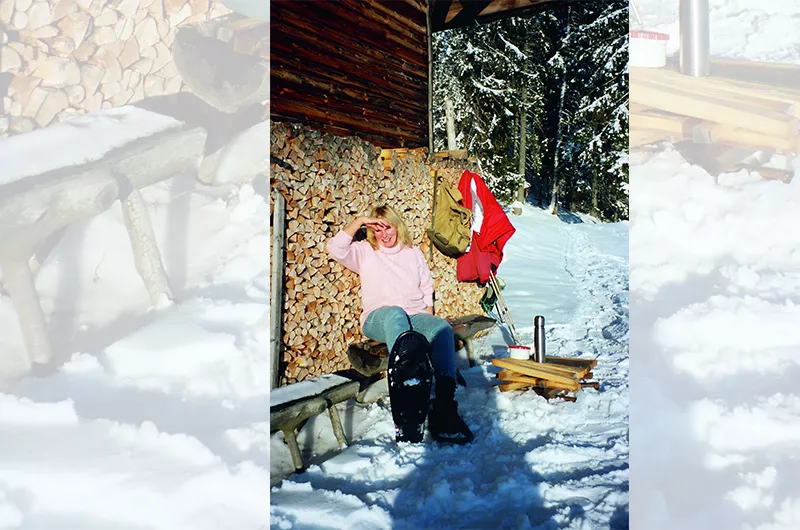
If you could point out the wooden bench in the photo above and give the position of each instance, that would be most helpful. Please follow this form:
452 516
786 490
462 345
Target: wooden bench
372 357
78 179
293 404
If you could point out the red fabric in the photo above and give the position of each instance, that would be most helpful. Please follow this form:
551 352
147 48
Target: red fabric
476 265
486 250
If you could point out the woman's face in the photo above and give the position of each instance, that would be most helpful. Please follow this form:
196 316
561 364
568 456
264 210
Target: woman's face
386 236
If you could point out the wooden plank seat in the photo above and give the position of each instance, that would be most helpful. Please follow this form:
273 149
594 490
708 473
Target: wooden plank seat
372 357
293 404
465 328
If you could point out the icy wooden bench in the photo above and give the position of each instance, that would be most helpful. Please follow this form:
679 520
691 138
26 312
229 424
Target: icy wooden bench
75 170
372 357
291 405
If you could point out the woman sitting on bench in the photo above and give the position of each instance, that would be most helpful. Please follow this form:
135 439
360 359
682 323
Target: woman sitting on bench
397 303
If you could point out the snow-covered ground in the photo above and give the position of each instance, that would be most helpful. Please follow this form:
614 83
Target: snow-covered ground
715 346
534 463
147 418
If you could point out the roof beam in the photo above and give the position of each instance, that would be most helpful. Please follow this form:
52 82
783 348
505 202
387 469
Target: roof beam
468 12
439 15
462 13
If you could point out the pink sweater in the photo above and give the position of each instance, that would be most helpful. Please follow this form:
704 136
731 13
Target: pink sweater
389 276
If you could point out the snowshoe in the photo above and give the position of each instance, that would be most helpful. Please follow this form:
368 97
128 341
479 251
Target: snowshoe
445 424
410 377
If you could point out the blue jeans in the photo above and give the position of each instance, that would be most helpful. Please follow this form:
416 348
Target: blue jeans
386 323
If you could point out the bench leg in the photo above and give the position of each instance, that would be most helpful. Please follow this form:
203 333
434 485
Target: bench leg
21 288
290 435
336 422
470 352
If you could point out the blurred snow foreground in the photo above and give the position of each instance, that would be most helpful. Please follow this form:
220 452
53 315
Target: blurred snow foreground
147 170
148 399
715 285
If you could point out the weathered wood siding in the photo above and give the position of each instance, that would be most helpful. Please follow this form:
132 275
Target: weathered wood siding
352 68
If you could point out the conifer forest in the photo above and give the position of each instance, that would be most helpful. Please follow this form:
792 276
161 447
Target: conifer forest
542 102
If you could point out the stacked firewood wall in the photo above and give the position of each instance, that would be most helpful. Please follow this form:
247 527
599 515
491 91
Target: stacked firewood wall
334 179
69 57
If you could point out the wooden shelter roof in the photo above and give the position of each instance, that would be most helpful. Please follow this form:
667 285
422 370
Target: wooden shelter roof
450 14
360 67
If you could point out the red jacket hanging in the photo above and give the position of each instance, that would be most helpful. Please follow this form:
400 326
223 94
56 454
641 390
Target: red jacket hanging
493 231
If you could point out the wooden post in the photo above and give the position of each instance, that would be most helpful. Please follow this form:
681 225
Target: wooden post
276 291
430 77
336 423
146 256
433 212
470 352
19 283
290 435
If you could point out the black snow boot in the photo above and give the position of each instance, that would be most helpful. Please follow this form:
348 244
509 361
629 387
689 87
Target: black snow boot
444 422
410 378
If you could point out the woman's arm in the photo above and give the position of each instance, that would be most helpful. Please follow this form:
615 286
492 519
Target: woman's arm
358 222
425 281
341 246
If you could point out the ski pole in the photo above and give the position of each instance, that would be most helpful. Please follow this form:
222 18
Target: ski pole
504 313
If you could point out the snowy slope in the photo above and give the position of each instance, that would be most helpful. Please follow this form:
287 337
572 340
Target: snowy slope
715 346
534 463
147 418
160 428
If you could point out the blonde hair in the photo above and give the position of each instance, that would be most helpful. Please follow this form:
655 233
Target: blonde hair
388 214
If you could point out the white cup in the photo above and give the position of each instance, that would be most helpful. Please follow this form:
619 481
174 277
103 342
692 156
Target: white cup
519 352
647 49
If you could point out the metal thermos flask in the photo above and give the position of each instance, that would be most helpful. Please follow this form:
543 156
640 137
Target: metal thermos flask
538 339
695 37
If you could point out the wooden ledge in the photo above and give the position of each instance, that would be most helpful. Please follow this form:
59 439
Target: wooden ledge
371 357
291 405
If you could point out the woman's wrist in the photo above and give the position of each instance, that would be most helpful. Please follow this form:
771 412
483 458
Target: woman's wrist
354 226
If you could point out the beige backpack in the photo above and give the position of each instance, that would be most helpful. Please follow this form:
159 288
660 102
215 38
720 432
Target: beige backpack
451 230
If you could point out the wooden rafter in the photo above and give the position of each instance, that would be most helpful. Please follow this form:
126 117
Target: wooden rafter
460 13
464 13
440 10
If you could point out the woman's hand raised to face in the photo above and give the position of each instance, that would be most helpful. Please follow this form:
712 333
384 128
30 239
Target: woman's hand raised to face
372 222
375 222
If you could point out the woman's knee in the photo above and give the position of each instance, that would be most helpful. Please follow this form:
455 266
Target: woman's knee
439 330
389 317
394 313
440 326
445 337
